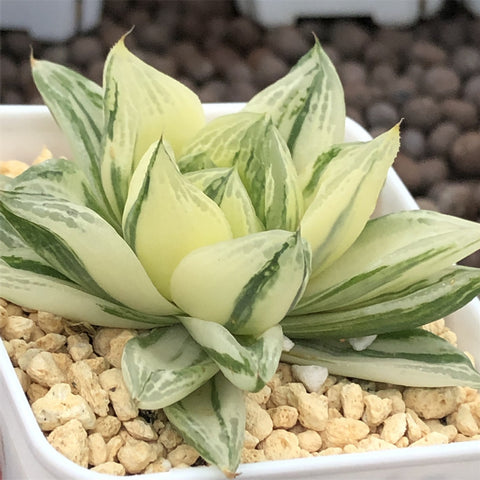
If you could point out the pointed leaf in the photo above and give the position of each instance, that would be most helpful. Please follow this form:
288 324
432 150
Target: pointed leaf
428 300
163 366
346 196
160 105
224 187
249 365
212 419
391 253
76 104
166 217
307 105
40 292
247 284
251 143
82 246
414 358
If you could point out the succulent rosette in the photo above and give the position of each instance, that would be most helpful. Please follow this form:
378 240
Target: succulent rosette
216 240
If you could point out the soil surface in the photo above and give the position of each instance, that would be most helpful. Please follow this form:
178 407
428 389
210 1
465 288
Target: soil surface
428 74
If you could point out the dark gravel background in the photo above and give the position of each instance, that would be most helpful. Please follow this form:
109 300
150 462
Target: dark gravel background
428 74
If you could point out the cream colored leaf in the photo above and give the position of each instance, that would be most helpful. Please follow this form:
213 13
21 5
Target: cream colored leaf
166 217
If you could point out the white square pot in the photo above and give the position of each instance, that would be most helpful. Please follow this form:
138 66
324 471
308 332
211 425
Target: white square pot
26 454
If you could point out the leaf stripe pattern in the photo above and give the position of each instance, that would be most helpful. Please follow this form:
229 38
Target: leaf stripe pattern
435 297
76 104
413 357
85 248
217 282
307 106
212 419
248 364
258 285
262 160
135 207
40 292
185 219
224 187
163 366
346 195
392 252
17 254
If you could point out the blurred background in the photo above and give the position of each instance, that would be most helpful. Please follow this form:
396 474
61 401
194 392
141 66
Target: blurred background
413 59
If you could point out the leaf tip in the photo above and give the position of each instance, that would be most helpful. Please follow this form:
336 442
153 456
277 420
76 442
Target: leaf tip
121 42
230 474
33 60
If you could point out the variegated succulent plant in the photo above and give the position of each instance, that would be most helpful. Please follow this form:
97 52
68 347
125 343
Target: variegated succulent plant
216 240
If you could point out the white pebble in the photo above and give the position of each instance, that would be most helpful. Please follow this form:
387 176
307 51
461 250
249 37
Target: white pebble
312 376
287 344
361 343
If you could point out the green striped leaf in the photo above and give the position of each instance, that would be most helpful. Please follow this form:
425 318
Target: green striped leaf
391 253
59 178
251 143
163 366
76 105
78 243
415 358
224 187
118 149
218 143
158 105
212 419
307 105
346 197
312 179
247 284
250 364
40 292
428 300
166 217
17 254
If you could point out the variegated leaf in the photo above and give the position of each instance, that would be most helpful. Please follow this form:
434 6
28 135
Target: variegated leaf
59 178
414 358
166 217
217 144
307 105
248 365
160 105
118 148
247 284
76 105
346 196
82 246
163 366
212 419
224 187
313 177
17 254
40 292
420 303
251 143
391 253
